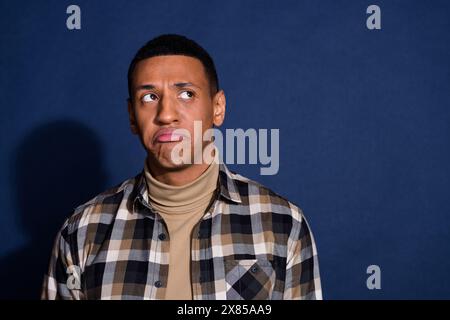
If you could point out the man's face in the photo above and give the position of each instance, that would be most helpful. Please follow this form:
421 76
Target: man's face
171 92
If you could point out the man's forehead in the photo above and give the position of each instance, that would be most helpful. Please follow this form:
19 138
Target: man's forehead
153 72
173 63
177 68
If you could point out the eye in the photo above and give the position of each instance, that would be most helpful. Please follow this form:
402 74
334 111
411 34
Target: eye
149 97
186 95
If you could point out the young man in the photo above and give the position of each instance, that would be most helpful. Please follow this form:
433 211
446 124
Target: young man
182 230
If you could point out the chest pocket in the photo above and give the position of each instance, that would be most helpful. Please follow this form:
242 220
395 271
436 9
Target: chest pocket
249 279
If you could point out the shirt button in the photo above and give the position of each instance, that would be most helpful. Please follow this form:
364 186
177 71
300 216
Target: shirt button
162 236
254 269
158 284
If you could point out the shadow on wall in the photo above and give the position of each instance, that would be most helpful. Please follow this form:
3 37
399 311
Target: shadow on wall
55 168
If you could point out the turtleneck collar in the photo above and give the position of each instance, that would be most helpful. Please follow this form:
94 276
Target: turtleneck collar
185 198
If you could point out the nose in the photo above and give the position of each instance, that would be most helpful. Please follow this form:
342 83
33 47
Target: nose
167 111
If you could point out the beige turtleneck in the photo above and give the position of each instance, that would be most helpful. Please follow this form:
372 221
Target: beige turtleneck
181 207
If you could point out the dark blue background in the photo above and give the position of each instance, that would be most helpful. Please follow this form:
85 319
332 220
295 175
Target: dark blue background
363 115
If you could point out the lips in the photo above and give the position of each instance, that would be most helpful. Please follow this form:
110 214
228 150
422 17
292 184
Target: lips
167 135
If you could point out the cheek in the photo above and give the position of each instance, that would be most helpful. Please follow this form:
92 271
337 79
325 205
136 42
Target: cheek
146 128
201 112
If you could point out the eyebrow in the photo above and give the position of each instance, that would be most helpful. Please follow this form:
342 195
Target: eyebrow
178 85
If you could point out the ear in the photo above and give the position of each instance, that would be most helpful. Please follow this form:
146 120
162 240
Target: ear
219 106
132 117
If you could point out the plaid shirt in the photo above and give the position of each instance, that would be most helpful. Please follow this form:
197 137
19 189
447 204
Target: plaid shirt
250 244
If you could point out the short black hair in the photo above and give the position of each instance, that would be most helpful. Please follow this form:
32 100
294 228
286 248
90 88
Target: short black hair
174 44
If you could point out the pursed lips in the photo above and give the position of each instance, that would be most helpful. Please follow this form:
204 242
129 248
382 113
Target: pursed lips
167 135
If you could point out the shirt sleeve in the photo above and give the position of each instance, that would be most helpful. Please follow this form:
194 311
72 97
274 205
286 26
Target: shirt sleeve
302 266
62 281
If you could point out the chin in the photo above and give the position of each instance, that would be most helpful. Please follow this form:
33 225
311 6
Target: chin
167 164
162 158
173 167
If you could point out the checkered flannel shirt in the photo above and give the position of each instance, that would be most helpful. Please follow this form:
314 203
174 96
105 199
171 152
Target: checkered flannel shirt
250 244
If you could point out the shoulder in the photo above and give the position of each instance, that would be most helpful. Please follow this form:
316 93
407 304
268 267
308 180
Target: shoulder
256 195
100 210
276 213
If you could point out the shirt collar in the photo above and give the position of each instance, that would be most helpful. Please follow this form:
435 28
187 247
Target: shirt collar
227 183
